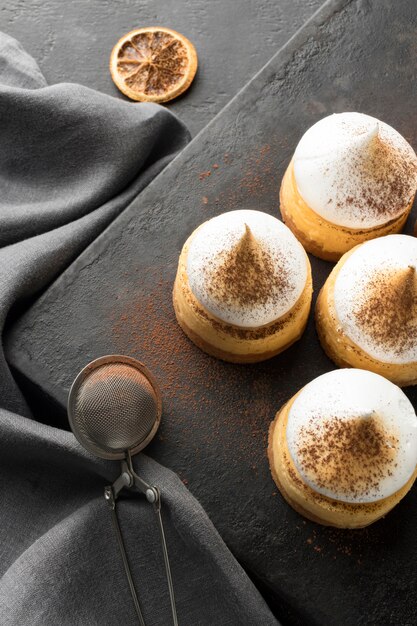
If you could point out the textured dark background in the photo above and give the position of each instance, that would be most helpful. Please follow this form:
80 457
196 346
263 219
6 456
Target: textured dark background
72 40
358 55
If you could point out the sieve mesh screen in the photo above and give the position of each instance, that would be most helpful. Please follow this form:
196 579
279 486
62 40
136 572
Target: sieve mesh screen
113 409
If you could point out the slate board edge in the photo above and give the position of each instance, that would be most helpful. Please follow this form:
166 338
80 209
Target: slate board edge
18 358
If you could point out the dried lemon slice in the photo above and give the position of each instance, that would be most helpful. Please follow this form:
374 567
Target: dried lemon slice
153 64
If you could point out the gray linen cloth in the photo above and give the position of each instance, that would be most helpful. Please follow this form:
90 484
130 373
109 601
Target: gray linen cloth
70 160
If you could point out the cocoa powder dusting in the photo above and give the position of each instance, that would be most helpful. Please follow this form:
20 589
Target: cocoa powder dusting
389 312
382 180
348 456
248 274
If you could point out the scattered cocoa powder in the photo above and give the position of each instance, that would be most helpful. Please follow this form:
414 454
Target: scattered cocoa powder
119 371
258 180
144 326
260 173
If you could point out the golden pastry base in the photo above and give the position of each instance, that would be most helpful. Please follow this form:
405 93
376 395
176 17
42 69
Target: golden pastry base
233 343
320 237
308 502
342 350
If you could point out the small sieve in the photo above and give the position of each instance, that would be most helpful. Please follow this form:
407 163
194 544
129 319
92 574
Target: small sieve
114 410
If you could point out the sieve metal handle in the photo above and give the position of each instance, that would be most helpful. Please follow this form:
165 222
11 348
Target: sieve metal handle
153 495
110 498
128 478
157 507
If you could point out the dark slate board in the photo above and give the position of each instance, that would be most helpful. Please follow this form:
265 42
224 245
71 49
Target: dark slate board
116 297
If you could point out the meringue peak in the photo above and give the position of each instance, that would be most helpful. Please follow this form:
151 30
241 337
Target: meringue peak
247 242
368 138
389 311
344 451
355 171
246 268
247 272
375 297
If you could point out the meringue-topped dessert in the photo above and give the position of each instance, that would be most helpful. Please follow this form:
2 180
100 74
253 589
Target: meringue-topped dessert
243 287
343 450
352 178
366 313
